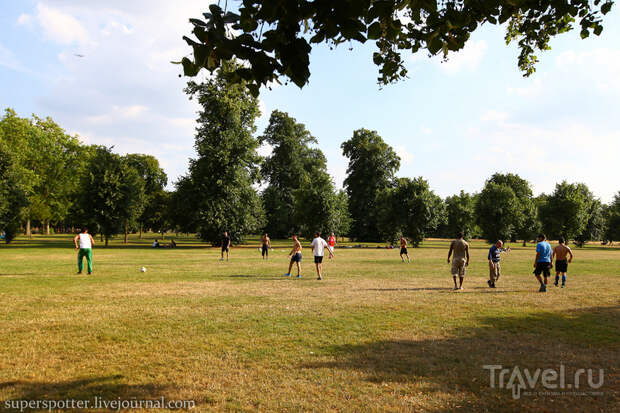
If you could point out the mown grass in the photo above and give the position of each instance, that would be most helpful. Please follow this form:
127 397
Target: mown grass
375 335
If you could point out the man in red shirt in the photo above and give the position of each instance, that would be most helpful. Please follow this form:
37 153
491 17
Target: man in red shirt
331 242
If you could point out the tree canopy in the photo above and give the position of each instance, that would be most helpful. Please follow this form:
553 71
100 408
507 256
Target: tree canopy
274 38
372 165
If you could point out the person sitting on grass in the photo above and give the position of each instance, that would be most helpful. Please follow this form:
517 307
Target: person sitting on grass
155 244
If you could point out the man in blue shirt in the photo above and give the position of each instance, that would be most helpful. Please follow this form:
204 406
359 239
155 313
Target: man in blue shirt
494 257
542 263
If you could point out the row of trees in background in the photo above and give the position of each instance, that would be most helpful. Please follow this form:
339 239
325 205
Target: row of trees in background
52 179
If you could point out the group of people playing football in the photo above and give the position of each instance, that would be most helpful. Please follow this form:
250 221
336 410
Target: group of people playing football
458 255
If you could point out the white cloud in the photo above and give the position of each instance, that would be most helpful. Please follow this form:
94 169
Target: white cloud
599 66
123 91
405 156
469 58
24 19
8 59
546 153
61 27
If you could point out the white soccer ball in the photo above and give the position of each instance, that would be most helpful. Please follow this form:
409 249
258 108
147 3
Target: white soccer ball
143 269
260 249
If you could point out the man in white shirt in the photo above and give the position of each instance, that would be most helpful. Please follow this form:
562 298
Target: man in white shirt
318 249
84 245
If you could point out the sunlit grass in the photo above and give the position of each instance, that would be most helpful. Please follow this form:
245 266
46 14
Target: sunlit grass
376 334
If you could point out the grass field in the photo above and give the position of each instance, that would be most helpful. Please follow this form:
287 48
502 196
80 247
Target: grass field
375 335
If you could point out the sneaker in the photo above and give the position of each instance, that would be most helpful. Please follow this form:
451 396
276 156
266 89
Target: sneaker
319 279
287 275
489 282
455 288
543 288
555 283
298 275
492 285
461 287
562 285
89 273
79 272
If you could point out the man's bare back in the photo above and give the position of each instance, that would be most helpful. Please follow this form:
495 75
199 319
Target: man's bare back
561 252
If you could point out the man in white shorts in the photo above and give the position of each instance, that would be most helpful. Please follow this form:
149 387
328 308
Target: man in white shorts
460 260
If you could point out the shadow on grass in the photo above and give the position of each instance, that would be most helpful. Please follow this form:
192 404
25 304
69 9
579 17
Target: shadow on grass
452 367
108 388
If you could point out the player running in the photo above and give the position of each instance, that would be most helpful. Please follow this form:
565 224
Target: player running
318 249
331 242
225 246
84 246
403 249
295 257
460 260
495 254
561 263
542 263
265 245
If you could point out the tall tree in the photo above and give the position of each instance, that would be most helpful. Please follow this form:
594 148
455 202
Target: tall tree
12 194
316 204
409 208
275 37
460 215
612 232
226 166
566 212
372 165
291 161
154 180
596 225
504 208
111 194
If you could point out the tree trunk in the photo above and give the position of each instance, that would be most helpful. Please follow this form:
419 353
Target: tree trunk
28 230
101 235
140 236
106 240
126 231
47 227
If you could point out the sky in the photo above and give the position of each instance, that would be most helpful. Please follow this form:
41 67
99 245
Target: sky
102 71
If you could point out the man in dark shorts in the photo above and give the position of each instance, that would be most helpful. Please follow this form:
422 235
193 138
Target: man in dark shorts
403 249
318 249
265 245
560 254
295 256
542 263
494 257
225 246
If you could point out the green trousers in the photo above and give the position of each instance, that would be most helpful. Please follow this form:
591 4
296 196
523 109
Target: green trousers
88 253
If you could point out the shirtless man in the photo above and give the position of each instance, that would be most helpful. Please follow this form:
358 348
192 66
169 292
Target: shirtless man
460 260
560 253
403 249
295 257
265 245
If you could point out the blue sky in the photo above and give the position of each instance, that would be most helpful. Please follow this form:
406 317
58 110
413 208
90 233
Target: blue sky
453 123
